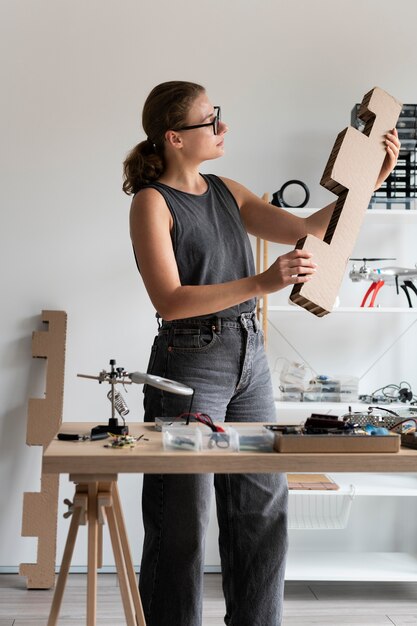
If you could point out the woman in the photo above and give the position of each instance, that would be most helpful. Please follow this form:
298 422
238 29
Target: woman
190 237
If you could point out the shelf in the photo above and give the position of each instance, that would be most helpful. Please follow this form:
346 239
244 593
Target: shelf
322 407
341 407
398 485
401 485
371 213
361 566
290 308
315 566
330 510
296 413
391 213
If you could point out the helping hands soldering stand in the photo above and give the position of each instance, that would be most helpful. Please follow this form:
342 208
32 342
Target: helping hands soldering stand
118 375
97 501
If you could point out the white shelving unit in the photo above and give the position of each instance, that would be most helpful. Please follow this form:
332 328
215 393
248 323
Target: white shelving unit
317 516
322 559
317 560
349 566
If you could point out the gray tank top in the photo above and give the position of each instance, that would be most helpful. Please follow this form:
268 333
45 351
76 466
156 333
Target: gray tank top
210 242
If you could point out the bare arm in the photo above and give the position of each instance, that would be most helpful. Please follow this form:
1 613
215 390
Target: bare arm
276 224
150 225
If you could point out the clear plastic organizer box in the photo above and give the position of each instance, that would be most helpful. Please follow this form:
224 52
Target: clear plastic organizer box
342 389
196 438
255 438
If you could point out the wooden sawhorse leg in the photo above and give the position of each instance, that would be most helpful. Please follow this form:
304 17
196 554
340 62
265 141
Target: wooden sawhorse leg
96 501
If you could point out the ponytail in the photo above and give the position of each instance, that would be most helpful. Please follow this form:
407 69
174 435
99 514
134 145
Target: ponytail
165 108
143 165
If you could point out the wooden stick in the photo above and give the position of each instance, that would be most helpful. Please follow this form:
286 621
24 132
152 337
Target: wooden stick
100 546
65 565
120 566
92 554
128 556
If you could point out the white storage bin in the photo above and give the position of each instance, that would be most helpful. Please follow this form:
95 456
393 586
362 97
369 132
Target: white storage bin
314 511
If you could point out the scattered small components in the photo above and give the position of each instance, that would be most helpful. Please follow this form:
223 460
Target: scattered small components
124 441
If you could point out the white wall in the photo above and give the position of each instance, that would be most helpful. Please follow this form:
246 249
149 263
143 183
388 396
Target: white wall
74 75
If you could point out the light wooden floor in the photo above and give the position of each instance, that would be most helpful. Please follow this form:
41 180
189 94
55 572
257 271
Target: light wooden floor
320 603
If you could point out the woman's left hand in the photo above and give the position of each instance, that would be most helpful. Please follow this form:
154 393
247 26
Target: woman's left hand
393 146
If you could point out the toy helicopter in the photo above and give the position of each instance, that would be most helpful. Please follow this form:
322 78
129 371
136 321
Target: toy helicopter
403 277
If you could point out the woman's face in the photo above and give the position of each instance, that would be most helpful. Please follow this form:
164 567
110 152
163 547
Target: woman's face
201 143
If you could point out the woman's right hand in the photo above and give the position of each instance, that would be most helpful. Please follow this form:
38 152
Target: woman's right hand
289 269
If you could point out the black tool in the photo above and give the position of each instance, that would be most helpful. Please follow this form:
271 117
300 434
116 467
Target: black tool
322 424
76 437
278 196
409 440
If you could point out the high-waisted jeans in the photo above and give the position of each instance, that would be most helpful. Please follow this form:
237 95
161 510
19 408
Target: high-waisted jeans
224 361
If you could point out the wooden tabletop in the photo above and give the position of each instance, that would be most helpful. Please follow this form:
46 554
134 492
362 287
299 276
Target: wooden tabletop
148 456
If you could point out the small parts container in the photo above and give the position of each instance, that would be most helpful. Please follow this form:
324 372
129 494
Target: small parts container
162 422
349 389
194 438
255 438
185 438
228 441
322 389
319 396
291 393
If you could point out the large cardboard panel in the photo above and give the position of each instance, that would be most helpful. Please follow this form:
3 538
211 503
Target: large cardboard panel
40 512
44 419
351 173
45 414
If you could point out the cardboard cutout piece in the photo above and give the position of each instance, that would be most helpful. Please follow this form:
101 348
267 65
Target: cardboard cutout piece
44 419
351 173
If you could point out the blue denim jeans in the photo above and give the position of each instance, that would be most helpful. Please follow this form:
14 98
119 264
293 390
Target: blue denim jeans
224 361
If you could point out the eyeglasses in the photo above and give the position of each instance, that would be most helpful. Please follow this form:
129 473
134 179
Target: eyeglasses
215 123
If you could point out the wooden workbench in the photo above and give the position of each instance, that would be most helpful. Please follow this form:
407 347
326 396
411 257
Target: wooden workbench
94 469
66 457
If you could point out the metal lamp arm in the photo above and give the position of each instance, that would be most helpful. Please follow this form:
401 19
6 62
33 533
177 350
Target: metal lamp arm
161 383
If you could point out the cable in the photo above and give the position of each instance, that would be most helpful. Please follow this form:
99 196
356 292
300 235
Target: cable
219 438
402 392
404 421
203 418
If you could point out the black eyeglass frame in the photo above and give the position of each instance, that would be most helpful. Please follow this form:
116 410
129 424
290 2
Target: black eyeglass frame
215 123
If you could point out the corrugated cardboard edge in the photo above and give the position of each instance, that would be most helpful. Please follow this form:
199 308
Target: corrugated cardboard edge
44 419
380 112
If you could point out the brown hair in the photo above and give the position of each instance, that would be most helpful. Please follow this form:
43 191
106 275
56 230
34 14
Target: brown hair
165 108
